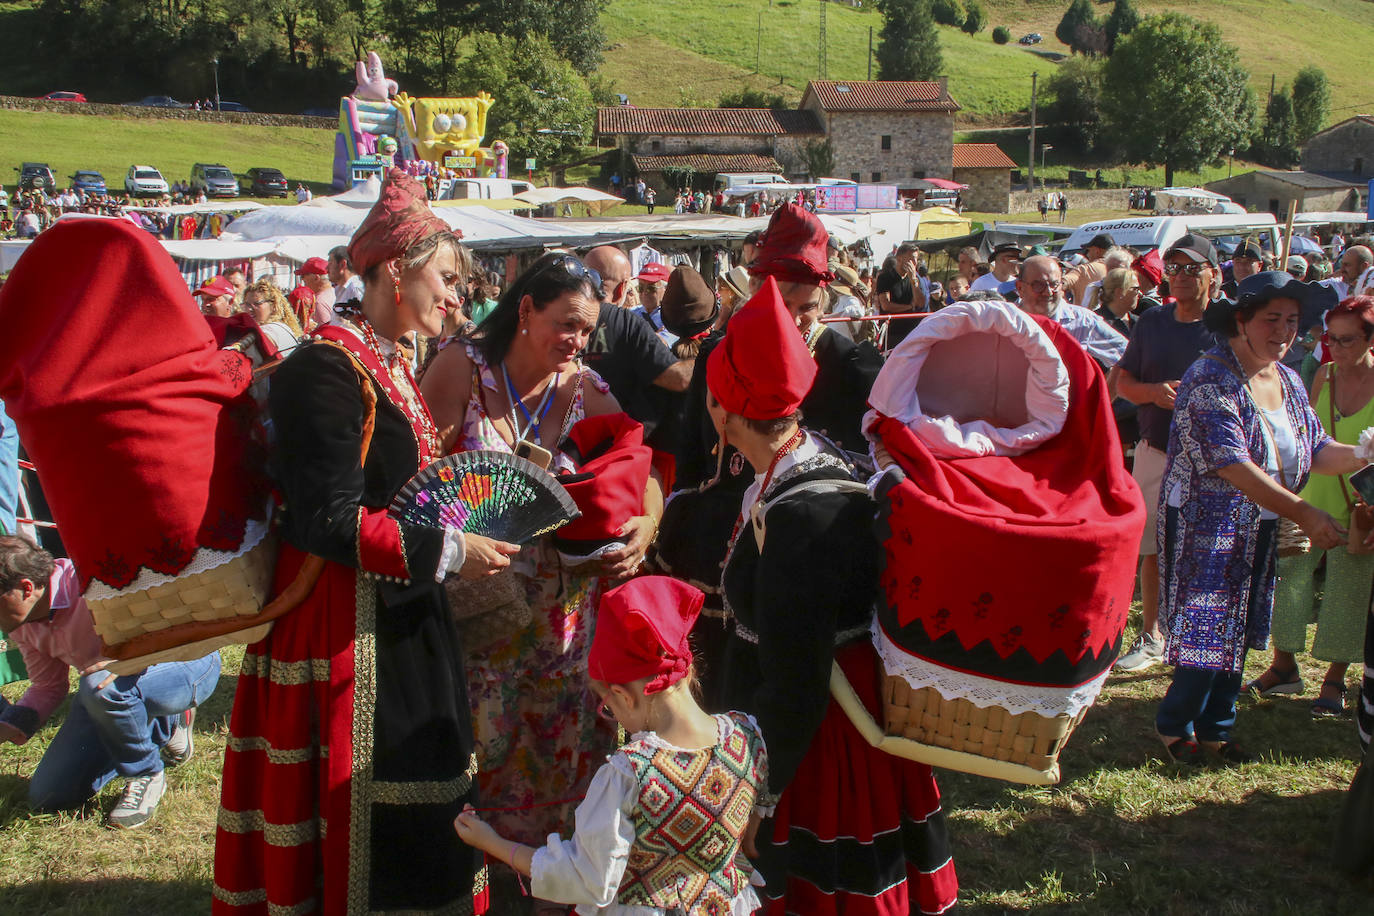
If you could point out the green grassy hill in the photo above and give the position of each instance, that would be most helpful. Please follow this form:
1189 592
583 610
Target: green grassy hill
68 142
692 51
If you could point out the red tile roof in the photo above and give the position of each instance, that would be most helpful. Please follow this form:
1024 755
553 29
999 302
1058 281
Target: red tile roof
709 163
705 121
981 156
866 95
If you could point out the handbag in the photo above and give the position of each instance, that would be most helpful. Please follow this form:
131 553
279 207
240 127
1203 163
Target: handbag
1361 513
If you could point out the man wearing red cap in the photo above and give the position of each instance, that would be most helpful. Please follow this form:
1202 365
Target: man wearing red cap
800 580
653 280
314 274
216 297
793 252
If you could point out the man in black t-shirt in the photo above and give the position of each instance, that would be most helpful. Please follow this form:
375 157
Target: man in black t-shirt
901 288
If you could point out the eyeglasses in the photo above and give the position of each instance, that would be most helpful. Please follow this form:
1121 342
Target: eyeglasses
1192 270
1348 341
1046 286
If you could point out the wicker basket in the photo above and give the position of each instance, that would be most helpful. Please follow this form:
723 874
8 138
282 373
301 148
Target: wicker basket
922 725
236 591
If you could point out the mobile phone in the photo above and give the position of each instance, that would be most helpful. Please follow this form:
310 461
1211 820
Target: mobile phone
534 452
1363 482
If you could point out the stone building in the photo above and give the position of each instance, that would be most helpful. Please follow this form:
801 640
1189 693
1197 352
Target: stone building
987 172
709 140
1269 190
1344 150
886 132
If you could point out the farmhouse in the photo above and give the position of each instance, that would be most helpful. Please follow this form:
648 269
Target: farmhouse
987 172
1344 150
886 132
1271 190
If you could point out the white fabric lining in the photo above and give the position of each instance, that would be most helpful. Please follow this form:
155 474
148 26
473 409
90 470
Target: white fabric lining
1046 389
982 691
203 560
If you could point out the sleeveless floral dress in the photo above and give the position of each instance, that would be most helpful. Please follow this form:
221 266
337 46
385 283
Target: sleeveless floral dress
539 739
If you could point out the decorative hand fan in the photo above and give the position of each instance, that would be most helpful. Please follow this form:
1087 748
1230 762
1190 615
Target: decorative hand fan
491 493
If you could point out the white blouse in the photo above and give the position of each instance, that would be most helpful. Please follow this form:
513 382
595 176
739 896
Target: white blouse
587 870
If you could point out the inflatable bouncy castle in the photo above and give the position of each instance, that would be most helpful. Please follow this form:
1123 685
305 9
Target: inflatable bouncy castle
1010 529
381 126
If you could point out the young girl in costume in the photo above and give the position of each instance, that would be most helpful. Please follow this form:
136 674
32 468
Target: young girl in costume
663 821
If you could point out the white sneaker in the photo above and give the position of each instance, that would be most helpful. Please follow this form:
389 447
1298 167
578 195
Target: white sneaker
181 743
139 801
1146 652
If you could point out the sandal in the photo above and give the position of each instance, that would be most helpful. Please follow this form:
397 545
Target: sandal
1232 754
1183 751
1286 682
1327 708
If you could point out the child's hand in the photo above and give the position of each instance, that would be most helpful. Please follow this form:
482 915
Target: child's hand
474 831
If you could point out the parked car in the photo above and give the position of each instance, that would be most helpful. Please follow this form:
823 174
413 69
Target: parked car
144 181
225 105
89 182
1034 38
263 182
35 175
214 180
64 95
159 101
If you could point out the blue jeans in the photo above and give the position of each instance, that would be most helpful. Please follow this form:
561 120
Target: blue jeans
1199 704
118 729
9 472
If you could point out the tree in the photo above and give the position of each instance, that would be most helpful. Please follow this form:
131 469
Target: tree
1175 93
1122 20
543 107
820 158
1311 102
753 98
1069 30
976 19
909 48
1001 35
1075 89
1278 147
947 12
573 26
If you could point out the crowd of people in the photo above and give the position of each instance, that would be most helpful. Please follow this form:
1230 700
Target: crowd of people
441 705
29 212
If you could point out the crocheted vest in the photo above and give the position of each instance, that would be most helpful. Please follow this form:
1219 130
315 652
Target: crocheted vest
693 809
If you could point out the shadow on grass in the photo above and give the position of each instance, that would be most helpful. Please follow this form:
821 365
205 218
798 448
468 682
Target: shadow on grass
112 896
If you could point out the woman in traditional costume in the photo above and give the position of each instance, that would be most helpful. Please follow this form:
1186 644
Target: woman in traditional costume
519 387
350 748
854 830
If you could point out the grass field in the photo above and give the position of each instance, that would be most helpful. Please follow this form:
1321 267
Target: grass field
1122 833
68 142
711 46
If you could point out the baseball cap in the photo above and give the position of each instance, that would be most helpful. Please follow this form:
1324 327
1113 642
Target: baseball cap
1101 240
1250 250
1007 248
215 287
1297 262
1197 248
313 266
653 272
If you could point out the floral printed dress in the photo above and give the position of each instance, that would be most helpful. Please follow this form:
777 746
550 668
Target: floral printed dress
538 737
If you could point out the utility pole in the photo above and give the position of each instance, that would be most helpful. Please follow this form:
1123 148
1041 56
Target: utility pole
1030 182
758 46
1272 78
870 53
824 4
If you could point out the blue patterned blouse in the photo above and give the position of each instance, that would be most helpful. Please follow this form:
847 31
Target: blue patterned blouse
1212 605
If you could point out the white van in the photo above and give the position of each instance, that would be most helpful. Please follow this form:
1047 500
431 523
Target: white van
483 188
727 180
1146 233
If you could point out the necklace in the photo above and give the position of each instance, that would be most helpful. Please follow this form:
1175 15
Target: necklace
413 406
541 409
792 442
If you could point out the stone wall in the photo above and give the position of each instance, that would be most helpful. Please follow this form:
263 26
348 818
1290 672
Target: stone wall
988 189
1102 199
1347 148
140 112
1262 193
922 145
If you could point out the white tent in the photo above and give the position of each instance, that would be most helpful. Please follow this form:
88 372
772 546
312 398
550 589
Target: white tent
541 196
210 206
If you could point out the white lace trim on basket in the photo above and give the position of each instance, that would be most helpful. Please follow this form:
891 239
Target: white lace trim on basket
982 691
203 561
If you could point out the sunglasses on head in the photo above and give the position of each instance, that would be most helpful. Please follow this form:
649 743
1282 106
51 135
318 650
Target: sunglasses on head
573 267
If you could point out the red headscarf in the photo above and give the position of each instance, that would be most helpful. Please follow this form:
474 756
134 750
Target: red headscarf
1150 265
140 426
400 218
641 631
794 248
762 369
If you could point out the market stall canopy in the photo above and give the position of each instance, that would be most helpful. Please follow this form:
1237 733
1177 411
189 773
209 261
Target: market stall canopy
541 196
222 206
941 223
946 184
498 203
